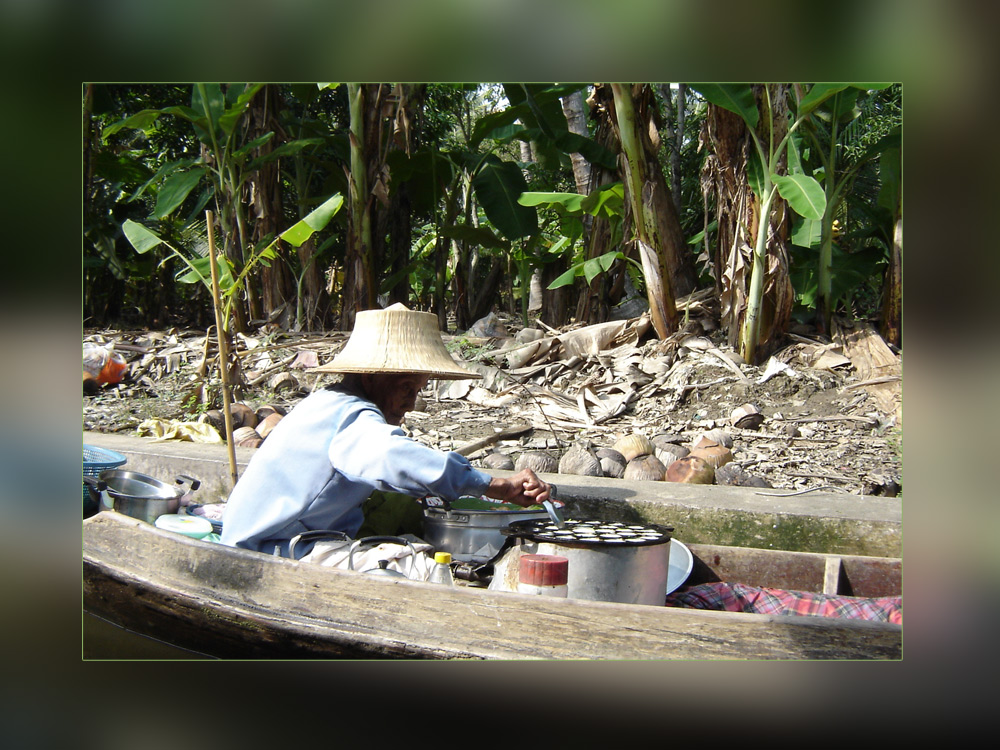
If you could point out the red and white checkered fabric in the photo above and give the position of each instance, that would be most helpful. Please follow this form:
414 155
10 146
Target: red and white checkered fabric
738 597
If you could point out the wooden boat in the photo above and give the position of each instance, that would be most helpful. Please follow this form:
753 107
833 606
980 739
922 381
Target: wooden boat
213 600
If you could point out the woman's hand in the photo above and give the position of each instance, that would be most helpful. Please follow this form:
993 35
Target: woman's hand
524 489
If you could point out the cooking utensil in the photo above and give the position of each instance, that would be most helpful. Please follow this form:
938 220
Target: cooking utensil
608 561
195 527
96 460
554 514
138 495
314 535
471 535
383 569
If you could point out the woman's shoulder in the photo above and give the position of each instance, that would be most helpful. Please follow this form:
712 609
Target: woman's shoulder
345 402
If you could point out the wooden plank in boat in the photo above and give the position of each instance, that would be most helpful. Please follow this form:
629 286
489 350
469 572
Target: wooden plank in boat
797 571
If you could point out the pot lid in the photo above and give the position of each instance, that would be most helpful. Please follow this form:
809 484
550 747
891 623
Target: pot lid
195 527
474 505
384 571
576 533
132 484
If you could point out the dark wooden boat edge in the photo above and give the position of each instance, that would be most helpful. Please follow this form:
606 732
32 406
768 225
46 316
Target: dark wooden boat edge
235 604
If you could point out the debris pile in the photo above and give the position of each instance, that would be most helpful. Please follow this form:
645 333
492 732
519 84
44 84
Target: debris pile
600 400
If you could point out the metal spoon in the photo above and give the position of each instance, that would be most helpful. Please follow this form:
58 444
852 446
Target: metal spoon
554 513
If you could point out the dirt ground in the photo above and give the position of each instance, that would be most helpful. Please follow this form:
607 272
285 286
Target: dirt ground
822 427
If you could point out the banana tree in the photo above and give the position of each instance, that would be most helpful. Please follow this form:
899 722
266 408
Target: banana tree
891 201
826 127
231 280
802 192
220 172
472 193
438 181
359 280
379 129
536 115
651 242
214 114
571 209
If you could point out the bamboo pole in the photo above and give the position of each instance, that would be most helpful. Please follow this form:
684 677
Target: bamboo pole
223 351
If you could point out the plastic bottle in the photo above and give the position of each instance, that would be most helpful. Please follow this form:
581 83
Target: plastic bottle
543 575
441 571
102 364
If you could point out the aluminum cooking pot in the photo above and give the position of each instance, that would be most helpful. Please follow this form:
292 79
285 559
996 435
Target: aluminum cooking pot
608 561
313 536
138 495
383 568
472 535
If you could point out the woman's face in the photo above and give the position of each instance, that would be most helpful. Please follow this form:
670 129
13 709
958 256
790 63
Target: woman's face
394 394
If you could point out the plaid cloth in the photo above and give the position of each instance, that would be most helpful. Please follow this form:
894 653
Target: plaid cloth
738 597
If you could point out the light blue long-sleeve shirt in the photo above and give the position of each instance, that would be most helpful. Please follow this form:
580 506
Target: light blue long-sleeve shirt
320 464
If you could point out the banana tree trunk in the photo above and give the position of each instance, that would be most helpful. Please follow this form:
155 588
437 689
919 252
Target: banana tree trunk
593 299
755 292
892 300
824 279
639 188
277 286
405 134
358 285
755 295
576 120
441 247
88 145
674 127
824 301
679 258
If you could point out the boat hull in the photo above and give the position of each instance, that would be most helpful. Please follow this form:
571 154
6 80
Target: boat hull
229 603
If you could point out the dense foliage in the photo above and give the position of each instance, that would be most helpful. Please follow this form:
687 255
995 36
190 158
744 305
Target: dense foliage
455 195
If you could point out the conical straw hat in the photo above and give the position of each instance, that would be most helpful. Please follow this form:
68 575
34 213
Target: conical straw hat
397 339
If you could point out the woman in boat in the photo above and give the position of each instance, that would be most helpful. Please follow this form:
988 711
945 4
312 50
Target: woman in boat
342 442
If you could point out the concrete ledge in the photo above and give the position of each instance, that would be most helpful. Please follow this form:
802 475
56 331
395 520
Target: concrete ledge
743 516
701 514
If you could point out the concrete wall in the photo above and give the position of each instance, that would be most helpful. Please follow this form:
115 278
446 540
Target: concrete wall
702 514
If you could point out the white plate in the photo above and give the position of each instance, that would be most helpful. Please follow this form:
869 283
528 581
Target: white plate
679 567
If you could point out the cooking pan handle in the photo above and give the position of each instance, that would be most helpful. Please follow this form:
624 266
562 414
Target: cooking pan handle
97 489
315 534
181 478
378 540
445 503
99 484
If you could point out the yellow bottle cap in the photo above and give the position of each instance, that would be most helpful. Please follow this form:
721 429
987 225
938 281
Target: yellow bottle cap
442 557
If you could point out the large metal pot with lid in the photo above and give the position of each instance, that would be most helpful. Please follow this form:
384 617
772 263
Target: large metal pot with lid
470 529
138 495
608 561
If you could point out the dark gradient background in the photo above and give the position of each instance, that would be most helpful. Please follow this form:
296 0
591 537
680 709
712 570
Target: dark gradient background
50 697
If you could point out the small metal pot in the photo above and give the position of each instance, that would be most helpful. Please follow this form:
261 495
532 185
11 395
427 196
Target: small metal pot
383 568
314 536
138 495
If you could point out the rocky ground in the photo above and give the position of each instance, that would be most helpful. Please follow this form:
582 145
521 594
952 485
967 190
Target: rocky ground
831 419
